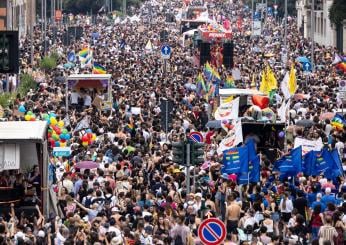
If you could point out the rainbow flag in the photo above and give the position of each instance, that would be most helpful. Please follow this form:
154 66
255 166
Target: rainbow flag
84 52
338 122
216 75
98 69
200 84
208 71
340 62
229 83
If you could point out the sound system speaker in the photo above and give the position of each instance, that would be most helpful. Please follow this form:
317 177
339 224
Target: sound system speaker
9 52
204 53
228 55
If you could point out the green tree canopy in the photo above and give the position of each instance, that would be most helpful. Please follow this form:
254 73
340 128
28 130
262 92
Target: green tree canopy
337 12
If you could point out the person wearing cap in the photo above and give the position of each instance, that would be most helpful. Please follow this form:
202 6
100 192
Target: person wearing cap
328 197
318 202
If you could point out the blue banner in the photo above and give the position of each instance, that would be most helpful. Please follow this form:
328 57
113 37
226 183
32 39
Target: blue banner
291 163
253 176
235 160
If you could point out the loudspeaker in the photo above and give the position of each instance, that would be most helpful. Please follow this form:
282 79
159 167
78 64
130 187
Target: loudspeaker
204 53
76 32
228 55
9 52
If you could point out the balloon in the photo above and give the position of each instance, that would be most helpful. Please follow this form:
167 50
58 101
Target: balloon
61 124
58 131
62 144
281 134
85 143
62 136
55 136
30 113
53 121
85 138
32 119
57 143
94 137
67 137
88 130
90 142
52 144
64 131
22 109
261 101
90 135
27 117
52 115
45 116
63 141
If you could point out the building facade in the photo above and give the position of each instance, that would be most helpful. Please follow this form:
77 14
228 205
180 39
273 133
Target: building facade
323 30
17 15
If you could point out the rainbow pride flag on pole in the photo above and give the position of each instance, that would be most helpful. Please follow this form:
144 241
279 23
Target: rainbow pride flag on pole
84 53
98 69
338 122
229 83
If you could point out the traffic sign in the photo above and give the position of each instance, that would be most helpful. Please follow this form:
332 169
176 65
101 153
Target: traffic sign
342 85
196 137
61 151
165 51
307 67
212 231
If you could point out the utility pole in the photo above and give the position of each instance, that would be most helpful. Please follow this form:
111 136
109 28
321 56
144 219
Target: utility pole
45 27
188 189
312 33
32 18
124 8
285 51
252 16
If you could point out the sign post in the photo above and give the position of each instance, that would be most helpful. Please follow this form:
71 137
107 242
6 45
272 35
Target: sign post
212 231
165 55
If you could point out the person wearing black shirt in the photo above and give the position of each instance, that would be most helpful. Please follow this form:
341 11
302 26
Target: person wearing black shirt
301 204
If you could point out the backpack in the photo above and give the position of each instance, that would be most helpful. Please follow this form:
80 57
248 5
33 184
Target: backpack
178 240
108 199
88 202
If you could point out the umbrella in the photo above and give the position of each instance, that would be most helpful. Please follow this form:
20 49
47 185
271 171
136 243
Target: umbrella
213 124
327 115
87 165
305 123
303 59
299 96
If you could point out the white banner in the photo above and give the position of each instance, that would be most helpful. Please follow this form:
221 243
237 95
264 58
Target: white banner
9 156
233 138
257 28
308 145
228 111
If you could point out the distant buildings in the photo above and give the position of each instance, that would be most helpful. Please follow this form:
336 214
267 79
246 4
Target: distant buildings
17 15
325 32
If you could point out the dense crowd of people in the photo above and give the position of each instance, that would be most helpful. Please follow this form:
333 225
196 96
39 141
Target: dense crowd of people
138 195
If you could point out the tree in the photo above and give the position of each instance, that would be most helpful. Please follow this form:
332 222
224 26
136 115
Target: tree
337 12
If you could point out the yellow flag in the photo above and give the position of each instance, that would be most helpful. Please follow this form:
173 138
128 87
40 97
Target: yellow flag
292 82
264 87
228 99
273 84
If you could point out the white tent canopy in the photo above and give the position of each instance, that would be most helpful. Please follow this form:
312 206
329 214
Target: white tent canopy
21 131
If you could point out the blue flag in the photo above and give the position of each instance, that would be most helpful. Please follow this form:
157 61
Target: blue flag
291 163
337 161
253 176
308 162
332 163
323 162
235 160
251 148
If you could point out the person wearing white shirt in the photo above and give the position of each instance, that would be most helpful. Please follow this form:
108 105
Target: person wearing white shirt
286 208
87 100
74 98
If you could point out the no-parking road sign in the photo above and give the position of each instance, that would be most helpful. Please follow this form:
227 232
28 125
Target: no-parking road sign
196 137
212 231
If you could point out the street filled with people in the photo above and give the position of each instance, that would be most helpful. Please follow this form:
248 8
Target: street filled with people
120 184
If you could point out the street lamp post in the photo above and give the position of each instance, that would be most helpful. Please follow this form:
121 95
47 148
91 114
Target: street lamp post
312 33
